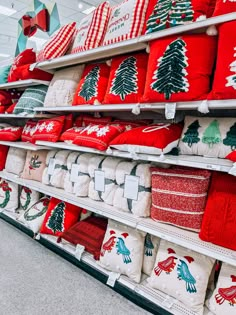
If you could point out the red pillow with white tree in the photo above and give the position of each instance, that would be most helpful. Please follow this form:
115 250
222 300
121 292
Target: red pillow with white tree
60 216
10 133
98 136
49 129
28 131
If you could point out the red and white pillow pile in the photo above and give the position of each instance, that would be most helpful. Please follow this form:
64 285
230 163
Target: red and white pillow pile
10 133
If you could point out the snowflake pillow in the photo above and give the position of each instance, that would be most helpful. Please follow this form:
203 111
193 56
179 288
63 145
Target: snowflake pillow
28 198
9 196
122 250
93 84
98 136
126 21
151 246
127 79
49 129
28 131
60 217
224 7
35 164
223 298
174 81
10 133
70 135
3 156
86 120
91 29
182 274
15 157
209 137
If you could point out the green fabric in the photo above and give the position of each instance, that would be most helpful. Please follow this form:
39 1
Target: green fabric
4 71
31 98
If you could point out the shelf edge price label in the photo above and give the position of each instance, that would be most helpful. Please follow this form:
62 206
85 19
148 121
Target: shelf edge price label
113 277
79 251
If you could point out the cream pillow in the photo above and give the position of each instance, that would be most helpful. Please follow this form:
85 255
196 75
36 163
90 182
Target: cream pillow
28 197
150 252
15 161
9 196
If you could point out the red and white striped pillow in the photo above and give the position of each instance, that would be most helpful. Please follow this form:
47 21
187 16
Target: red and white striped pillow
58 44
126 21
92 29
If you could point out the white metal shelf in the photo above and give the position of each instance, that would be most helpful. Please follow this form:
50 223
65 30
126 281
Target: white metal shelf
22 84
176 235
24 145
36 116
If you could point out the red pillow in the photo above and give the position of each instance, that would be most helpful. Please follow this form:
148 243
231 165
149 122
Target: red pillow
3 109
3 156
224 7
60 217
70 135
10 133
130 124
153 139
24 73
49 129
68 123
11 108
93 84
88 233
5 98
168 79
86 120
231 156
28 131
127 79
98 136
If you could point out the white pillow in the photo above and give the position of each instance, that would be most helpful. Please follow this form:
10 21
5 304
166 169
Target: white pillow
9 195
150 252
28 197
15 161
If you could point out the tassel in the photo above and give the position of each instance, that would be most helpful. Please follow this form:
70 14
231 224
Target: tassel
136 109
37 237
148 49
109 151
203 107
108 62
96 102
212 30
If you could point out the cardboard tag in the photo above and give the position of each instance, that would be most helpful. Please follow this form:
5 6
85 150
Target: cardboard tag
232 171
99 180
170 110
131 187
74 175
113 276
213 167
51 166
79 251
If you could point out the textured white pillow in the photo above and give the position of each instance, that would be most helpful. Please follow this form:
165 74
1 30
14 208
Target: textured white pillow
122 250
28 197
15 160
150 252
182 274
9 196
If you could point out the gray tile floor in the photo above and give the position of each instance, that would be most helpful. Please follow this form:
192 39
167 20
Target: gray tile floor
35 281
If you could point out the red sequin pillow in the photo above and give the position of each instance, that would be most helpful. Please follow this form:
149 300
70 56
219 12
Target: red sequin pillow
28 131
49 129
3 156
10 133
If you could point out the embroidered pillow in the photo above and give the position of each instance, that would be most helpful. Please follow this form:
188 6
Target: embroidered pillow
28 198
174 81
127 79
224 7
98 136
122 250
126 21
154 139
210 137
35 164
93 84
63 86
3 156
58 44
183 274
179 196
15 157
49 129
86 120
10 133
28 131
31 98
60 217
70 135
8 196
151 246
4 71
91 29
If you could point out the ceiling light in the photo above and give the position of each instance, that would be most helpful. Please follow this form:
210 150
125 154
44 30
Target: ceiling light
89 10
4 55
6 11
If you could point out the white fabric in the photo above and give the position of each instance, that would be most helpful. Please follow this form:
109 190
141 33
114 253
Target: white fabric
93 165
72 159
9 200
122 250
151 246
33 195
58 177
46 177
15 161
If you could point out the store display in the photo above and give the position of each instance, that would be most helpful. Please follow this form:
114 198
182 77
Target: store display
8 196
35 164
10 133
15 161
151 246
28 198
28 131
49 129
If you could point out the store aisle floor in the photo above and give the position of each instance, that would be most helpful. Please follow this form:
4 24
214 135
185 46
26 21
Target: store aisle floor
33 280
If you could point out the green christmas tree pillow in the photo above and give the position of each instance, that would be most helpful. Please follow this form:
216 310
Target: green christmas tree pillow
207 136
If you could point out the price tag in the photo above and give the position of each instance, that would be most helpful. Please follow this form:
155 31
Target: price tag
79 251
51 166
99 178
232 171
113 276
74 175
131 187
170 110
168 302
213 167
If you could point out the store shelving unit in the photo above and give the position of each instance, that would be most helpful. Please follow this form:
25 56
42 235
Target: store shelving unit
22 84
24 145
32 116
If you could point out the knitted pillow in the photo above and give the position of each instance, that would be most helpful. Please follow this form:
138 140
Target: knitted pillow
122 250
58 44
86 120
93 84
24 73
28 131
63 86
127 79
179 196
224 7
210 137
88 233
49 129
8 195
150 252
15 160
28 198
31 98
4 71
183 274
126 21
220 217
60 217
10 133
154 139
3 156
35 164
92 28
176 81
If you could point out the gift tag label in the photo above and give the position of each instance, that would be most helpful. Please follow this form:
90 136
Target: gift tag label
51 166
79 251
99 180
170 110
74 175
131 187
113 276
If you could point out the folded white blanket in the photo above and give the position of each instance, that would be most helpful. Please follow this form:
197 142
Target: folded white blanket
15 161
58 177
95 163
141 206
72 159
46 177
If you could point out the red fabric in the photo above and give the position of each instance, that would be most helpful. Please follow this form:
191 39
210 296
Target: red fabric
28 131
11 108
10 133
231 156
224 7
68 123
49 129
98 136
86 120
198 65
223 85
69 213
3 156
71 134
24 73
2 109
130 124
5 98
88 233
219 221
114 96
101 72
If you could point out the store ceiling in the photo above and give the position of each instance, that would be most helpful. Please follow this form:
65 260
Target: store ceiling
68 12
